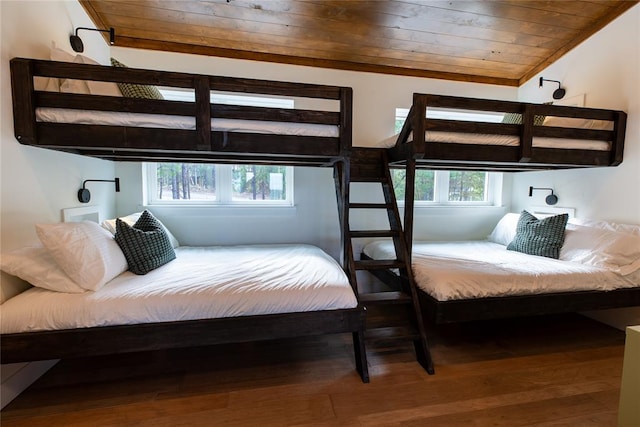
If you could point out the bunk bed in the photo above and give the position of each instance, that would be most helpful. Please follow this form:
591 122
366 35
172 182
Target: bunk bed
536 137
133 129
129 129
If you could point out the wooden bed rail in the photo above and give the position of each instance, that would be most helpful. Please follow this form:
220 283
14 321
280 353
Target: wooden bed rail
493 157
115 141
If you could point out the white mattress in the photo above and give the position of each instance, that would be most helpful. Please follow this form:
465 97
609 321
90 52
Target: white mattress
91 117
477 269
504 140
201 283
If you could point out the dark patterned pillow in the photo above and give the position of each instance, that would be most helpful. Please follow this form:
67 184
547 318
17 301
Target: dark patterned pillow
131 90
542 237
145 245
516 118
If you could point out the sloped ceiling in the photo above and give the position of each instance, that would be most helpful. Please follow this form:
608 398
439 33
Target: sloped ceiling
498 42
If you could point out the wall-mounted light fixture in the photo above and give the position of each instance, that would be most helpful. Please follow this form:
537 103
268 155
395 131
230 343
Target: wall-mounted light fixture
558 93
76 41
83 194
551 199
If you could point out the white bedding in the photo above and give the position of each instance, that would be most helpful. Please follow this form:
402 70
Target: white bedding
504 140
477 269
91 117
201 283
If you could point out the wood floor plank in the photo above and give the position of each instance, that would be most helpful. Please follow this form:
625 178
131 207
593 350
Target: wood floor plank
551 371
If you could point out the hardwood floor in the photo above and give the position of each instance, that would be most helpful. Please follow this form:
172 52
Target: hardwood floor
551 371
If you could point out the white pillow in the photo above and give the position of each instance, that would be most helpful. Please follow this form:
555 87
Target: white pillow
578 123
110 225
607 225
505 230
84 250
36 266
83 86
52 84
96 87
599 247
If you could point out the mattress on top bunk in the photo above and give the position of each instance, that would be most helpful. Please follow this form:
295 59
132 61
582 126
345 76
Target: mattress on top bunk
201 283
163 121
503 140
478 269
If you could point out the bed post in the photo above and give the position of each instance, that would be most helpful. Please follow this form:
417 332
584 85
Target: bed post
24 119
617 147
526 138
359 349
203 112
346 112
418 123
409 196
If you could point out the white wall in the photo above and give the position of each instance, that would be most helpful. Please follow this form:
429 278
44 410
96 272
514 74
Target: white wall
314 220
37 183
606 69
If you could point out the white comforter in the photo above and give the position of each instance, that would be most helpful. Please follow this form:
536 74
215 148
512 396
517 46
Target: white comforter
163 121
503 140
211 282
477 269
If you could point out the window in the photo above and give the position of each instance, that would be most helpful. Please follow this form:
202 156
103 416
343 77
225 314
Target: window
220 184
200 183
450 187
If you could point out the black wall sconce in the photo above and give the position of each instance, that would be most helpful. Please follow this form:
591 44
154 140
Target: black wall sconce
558 93
76 41
551 199
83 194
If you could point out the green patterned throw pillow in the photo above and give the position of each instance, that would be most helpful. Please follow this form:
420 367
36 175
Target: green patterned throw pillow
131 90
542 237
516 118
145 245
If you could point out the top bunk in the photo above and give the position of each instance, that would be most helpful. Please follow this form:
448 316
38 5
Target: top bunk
525 137
110 126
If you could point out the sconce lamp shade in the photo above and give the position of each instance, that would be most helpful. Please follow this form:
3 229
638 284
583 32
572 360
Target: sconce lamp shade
558 93
551 199
76 42
84 195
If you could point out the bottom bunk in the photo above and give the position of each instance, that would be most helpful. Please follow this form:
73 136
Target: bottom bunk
598 268
204 296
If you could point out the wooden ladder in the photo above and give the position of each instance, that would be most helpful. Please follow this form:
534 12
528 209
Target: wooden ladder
371 166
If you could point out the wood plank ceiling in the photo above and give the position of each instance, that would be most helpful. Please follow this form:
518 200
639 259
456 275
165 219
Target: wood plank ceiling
498 42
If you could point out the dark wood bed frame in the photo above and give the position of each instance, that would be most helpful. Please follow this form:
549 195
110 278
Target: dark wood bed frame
464 310
83 342
434 155
422 154
121 143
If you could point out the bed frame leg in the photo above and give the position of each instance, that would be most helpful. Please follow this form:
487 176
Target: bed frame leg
361 355
424 355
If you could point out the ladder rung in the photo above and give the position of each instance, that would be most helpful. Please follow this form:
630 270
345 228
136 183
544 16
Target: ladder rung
374 233
392 297
370 206
376 264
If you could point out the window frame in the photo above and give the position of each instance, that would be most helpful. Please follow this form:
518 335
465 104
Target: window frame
493 180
